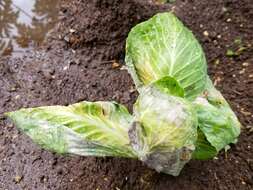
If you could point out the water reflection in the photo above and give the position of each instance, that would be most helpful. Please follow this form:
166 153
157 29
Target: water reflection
25 23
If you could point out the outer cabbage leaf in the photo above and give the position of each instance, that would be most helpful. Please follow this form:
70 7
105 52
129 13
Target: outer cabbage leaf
85 128
204 150
216 119
163 46
165 130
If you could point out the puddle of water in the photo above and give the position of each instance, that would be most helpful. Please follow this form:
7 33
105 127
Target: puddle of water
24 24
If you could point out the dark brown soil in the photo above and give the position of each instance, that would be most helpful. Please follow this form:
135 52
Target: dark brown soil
77 64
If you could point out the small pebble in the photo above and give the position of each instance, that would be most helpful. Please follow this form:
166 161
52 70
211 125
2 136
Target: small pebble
206 33
115 65
18 179
17 97
242 71
229 20
13 89
14 137
66 38
72 30
217 62
245 64
132 89
224 9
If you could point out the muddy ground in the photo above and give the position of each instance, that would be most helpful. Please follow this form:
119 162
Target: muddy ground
77 63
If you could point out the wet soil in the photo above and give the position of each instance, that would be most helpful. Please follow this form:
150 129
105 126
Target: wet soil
83 60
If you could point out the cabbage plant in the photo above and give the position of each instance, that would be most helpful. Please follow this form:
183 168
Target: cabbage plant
178 116
163 46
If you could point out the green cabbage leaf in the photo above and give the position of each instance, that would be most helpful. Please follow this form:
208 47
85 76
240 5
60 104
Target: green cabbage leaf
204 150
163 46
85 128
216 121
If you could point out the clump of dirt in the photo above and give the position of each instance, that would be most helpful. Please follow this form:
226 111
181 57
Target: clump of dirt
82 60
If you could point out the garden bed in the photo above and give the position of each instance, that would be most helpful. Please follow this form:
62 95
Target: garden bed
83 60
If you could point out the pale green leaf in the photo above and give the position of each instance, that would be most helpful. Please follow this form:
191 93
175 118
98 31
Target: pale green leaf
216 120
165 130
85 128
163 46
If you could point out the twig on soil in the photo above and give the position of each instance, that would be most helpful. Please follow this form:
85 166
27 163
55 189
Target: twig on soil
236 92
106 62
226 155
